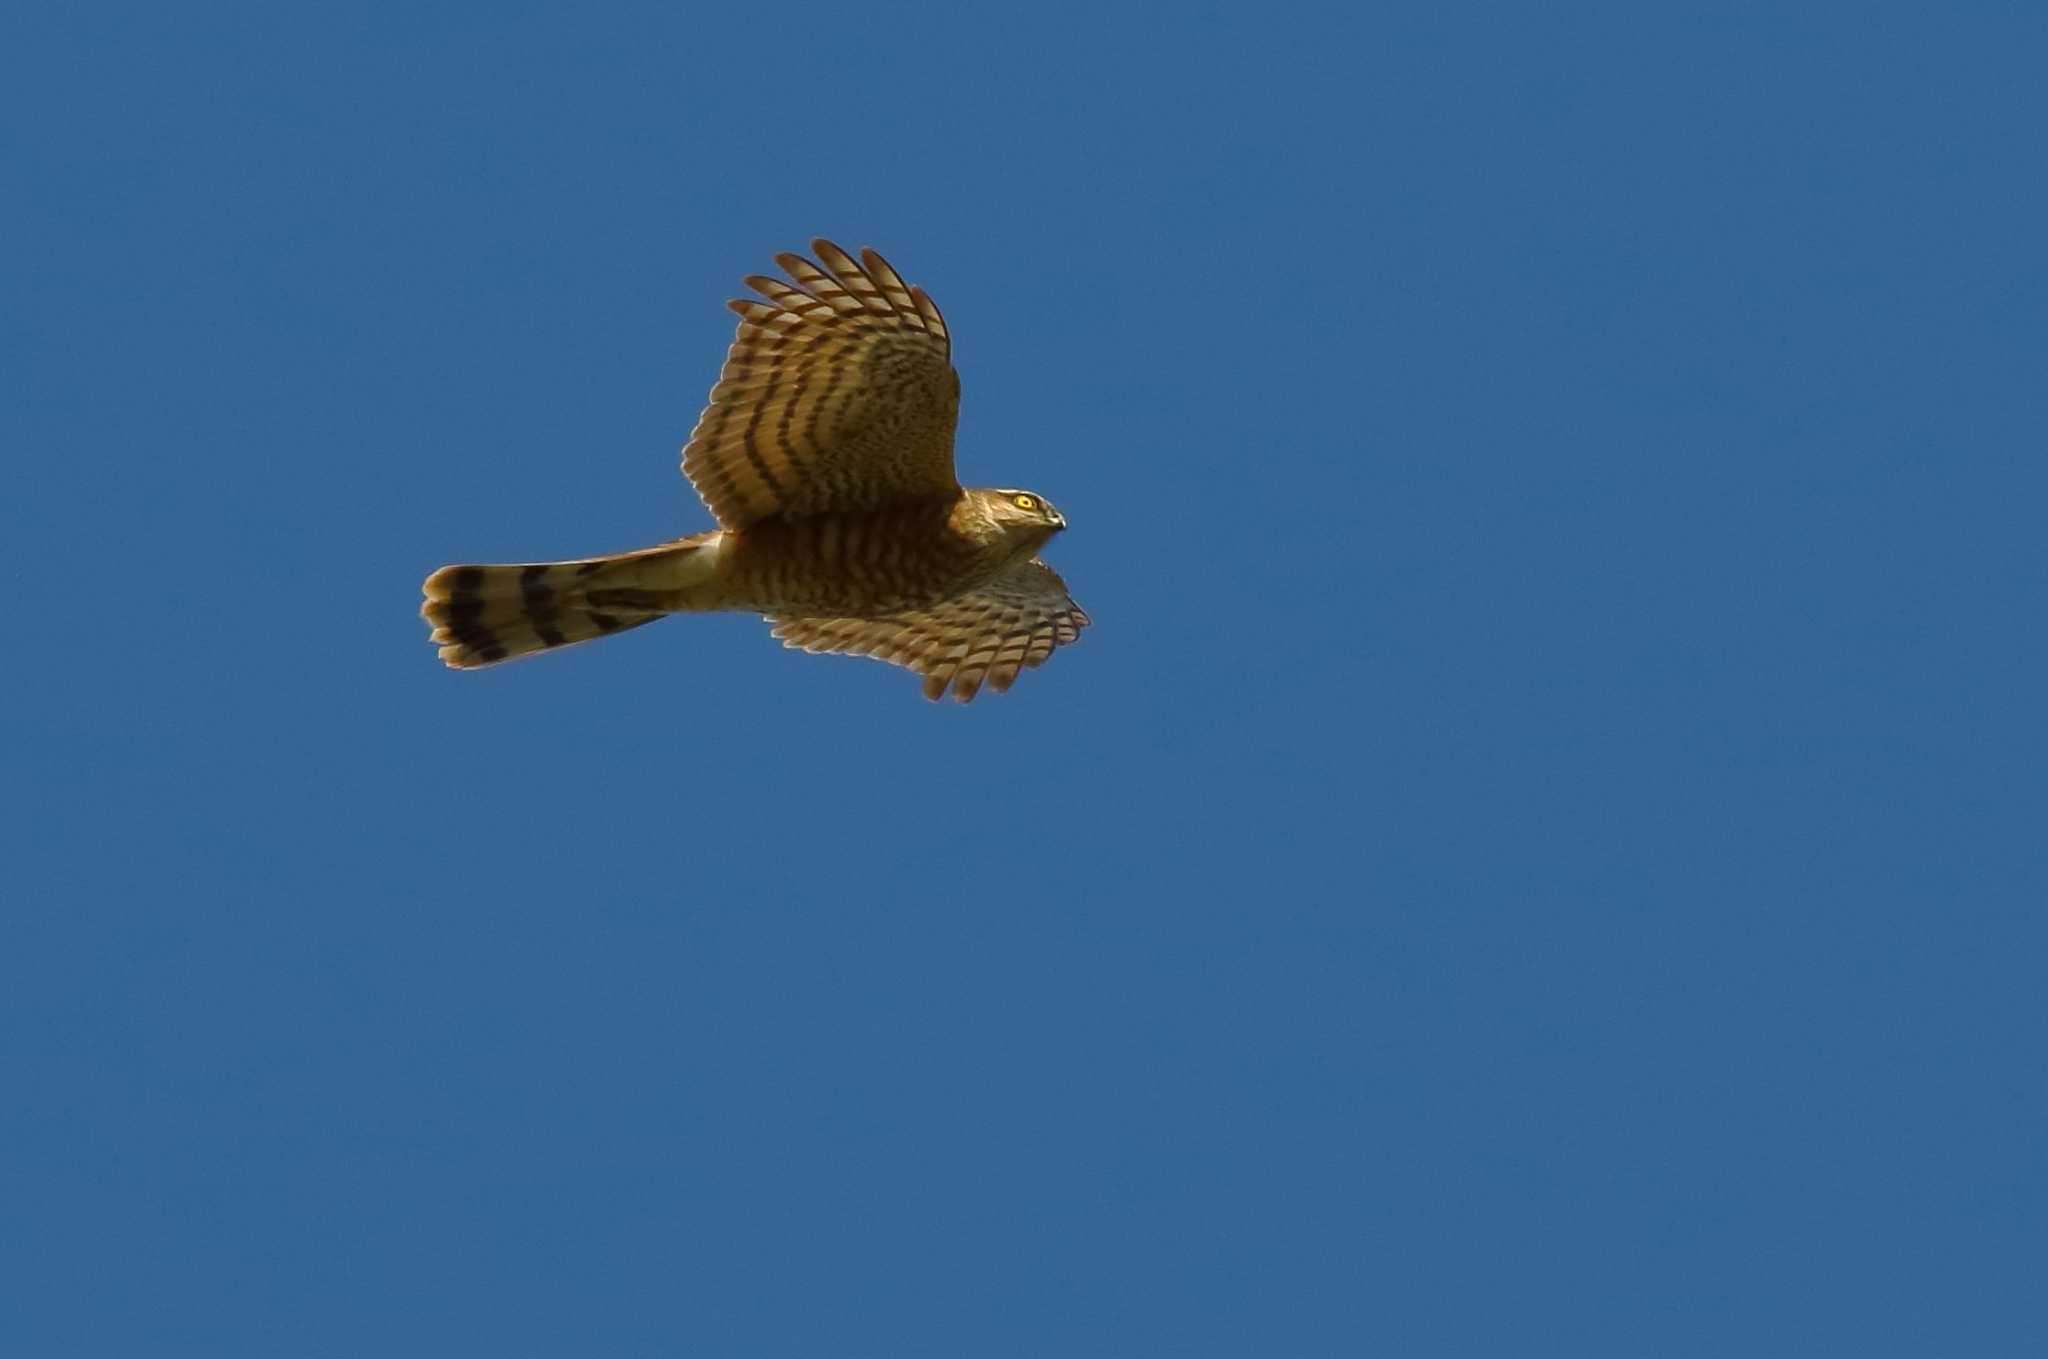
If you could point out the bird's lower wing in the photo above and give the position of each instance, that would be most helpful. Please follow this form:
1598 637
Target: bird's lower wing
1010 624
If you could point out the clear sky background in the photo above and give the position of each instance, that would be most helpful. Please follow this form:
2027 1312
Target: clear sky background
1541 853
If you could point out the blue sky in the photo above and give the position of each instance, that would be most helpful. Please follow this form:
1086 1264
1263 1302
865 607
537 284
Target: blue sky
1541 852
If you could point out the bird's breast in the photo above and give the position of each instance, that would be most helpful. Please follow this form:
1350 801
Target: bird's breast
852 565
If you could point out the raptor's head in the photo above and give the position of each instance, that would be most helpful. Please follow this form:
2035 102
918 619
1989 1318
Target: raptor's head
1024 515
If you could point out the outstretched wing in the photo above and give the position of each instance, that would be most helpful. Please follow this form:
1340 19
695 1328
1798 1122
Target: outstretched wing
838 394
1012 623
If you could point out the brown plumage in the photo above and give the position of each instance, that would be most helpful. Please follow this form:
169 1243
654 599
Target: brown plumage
826 455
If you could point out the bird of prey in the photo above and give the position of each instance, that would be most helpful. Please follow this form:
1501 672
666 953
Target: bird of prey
826 456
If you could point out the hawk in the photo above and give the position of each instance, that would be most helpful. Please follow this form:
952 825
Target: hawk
826 456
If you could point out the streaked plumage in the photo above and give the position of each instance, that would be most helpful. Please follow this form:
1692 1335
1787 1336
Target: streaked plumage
826 455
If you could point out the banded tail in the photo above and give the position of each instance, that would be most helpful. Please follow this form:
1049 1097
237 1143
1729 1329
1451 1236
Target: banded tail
486 614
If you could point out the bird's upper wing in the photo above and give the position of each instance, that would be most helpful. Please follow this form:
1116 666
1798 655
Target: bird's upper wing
1011 623
838 394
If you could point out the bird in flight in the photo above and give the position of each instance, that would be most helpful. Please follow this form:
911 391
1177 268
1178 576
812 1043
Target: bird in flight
826 455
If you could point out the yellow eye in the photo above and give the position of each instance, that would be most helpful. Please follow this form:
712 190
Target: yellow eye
1025 502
